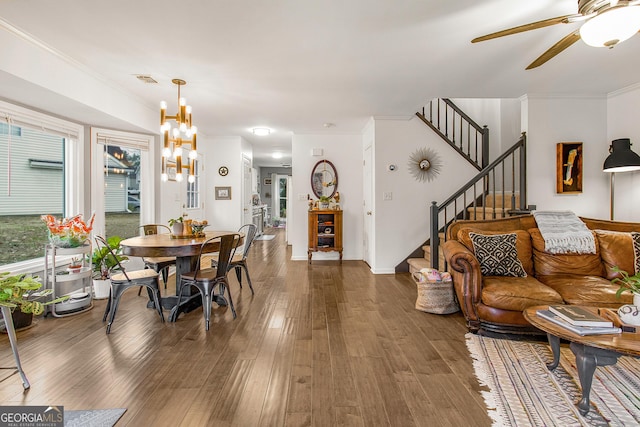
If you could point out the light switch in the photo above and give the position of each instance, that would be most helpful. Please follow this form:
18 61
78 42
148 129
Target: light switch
387 195
302 197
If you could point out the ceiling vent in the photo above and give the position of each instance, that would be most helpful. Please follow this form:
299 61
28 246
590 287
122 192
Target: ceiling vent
286 165
145 78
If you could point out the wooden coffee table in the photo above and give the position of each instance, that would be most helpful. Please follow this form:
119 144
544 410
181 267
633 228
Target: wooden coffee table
590 351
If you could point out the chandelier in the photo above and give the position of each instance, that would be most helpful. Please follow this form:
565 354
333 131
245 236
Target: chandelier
175 137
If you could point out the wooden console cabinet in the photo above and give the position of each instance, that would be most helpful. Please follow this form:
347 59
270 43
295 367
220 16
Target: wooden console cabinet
325 232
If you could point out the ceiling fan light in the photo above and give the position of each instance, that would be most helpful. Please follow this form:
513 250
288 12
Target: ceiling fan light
611 27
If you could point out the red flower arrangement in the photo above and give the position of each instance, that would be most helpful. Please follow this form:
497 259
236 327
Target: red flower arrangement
68 232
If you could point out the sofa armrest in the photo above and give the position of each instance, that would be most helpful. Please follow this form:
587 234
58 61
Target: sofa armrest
467 277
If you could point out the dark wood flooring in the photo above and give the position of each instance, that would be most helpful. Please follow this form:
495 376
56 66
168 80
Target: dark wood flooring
322 344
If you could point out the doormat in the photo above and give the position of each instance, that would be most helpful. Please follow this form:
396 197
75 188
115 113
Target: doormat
266 237
93 418
523 392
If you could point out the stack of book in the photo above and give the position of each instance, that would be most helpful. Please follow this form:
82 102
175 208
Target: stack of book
578 320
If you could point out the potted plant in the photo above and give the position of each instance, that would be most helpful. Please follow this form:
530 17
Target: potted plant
104 264
324 202
75 266
22 291
177 226
628 284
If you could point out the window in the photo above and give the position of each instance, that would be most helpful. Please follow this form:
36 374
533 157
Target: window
41 172
193 189
122 196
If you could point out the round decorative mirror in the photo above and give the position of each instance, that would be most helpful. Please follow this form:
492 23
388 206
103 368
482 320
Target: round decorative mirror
324 179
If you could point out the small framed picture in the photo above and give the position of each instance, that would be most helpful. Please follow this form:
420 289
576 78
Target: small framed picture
223 193
267 181
171 171
569 167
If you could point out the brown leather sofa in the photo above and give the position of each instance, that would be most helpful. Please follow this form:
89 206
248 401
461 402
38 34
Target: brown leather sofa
495 303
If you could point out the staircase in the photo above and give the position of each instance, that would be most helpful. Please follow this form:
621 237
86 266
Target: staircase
497 191
497 206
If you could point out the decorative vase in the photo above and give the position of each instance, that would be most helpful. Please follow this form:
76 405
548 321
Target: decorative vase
101 288
636 300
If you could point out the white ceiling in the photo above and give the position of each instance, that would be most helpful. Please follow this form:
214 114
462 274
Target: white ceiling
294 65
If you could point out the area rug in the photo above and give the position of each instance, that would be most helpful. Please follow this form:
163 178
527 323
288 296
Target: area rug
266 237
523 392
93 418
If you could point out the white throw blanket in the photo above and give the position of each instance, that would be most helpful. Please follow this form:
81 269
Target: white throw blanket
563 232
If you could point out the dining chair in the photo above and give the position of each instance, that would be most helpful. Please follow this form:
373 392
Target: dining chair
207 279
239 260
158 264
124 280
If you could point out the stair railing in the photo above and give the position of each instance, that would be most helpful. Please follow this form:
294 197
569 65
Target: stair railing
467 137
504 176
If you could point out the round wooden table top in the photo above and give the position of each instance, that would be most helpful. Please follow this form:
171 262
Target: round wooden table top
626 343
163 245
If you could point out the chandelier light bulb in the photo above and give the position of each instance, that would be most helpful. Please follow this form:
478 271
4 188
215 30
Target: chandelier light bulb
191 179
176 132
611 27
188 109
183 127
183 102
179 176
166 152
177 152
163 105
194 129
193 154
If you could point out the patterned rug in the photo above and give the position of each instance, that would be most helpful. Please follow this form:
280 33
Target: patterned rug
266 237
523 392
93 418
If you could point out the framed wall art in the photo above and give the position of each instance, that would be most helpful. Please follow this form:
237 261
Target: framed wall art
171 171
569 167
223 193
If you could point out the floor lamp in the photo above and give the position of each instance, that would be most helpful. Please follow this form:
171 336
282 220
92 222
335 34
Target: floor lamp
621 159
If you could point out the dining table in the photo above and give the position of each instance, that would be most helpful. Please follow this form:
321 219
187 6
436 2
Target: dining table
186 250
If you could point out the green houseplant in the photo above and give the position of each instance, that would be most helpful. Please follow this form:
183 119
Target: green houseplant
177 226
104 263
324 201
628 283
23 291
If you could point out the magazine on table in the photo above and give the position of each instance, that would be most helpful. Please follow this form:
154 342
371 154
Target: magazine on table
579 316
580 330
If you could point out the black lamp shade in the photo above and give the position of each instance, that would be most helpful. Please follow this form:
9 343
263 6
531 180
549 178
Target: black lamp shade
622 158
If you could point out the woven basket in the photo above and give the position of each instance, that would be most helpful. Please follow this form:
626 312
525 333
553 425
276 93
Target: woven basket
436 297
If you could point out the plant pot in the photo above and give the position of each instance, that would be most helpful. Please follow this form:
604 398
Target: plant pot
177 229
101 288
21 320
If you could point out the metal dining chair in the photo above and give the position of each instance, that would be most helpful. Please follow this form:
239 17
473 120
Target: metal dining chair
207 279
158 264
124 280
239 260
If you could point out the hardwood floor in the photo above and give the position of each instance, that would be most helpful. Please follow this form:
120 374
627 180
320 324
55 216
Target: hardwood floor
322 344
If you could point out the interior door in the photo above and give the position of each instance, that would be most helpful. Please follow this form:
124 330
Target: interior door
367 206
191 196
289 215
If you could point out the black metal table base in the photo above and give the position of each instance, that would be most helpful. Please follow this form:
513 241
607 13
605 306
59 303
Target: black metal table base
587 359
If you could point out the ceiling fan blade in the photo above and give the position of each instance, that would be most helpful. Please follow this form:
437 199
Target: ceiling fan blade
527 27
556 49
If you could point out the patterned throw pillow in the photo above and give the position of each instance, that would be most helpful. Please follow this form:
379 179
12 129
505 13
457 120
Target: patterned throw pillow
497 254
636 250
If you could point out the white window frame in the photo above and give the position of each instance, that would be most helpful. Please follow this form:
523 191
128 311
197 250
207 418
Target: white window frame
144 143
75 171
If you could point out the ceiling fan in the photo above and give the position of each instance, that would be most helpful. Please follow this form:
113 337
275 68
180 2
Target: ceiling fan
606 23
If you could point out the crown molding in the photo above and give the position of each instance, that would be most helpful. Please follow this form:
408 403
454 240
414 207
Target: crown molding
624 90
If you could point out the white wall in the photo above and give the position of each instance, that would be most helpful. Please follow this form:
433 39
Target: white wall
622 122
402 224
345 152
550 120
223 151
